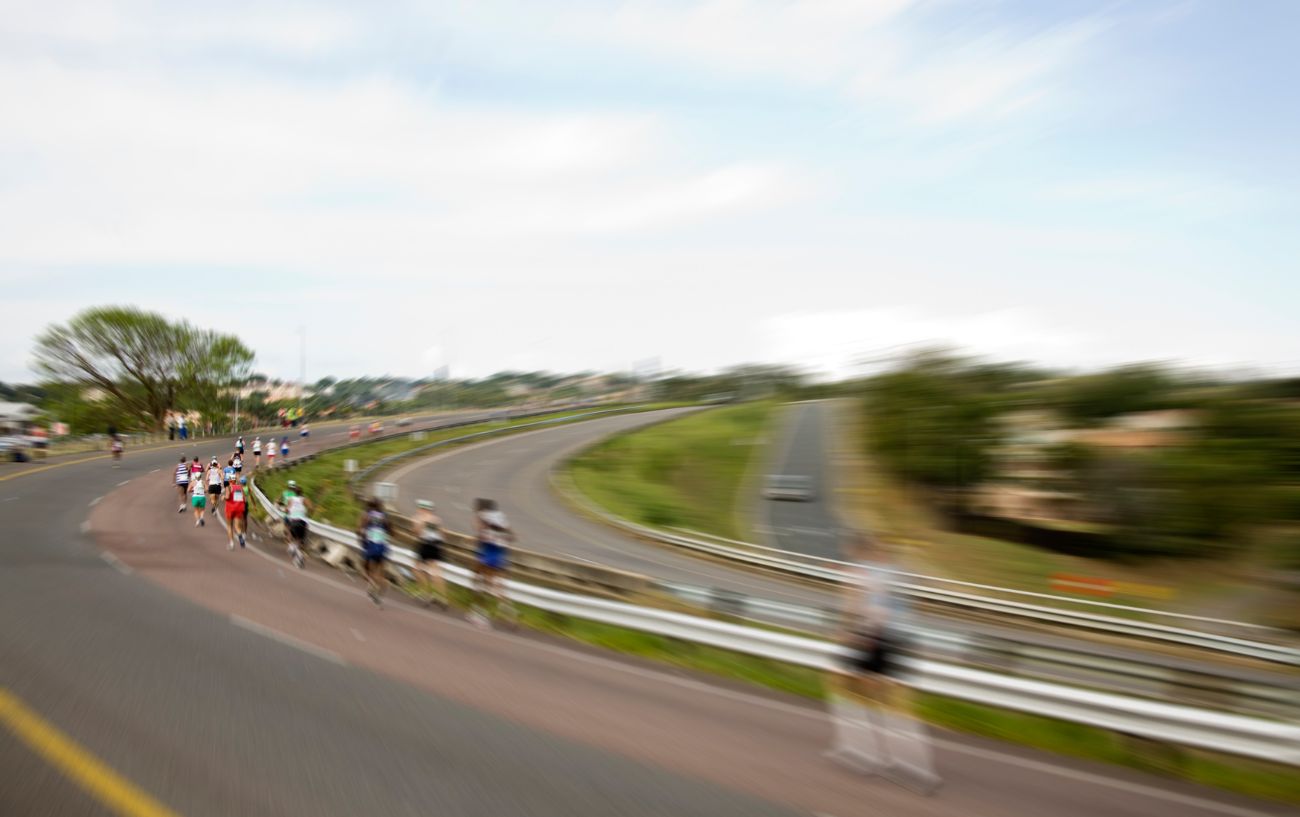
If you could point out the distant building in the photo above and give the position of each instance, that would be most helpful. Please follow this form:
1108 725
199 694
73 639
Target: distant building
1030 483
274 391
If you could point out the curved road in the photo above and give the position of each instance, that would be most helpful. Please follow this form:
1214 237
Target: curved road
143 665
516 471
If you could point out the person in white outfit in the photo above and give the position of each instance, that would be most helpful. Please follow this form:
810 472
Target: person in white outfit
870 707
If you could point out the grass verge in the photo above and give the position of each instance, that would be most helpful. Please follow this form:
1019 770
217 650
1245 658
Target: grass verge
1245 776
684 473
328 486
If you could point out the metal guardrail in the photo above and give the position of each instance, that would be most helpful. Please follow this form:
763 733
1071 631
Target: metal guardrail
1024 653
1275 741
828 571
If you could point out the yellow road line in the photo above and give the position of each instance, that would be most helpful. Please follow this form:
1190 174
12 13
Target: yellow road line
52 465
79 765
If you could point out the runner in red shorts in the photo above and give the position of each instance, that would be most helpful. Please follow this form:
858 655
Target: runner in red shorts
236 503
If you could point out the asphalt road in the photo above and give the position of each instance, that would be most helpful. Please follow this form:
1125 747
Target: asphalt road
215 719
809 527
219 683
516 470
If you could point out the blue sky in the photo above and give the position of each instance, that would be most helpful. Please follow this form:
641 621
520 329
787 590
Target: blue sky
576 185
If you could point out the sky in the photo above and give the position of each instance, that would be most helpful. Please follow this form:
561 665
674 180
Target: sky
577 185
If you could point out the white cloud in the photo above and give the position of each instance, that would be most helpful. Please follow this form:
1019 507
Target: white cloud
874 52
143 26
1170 193
840 343
143 169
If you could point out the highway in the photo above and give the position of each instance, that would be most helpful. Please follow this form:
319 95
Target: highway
146 670
516 470
809 527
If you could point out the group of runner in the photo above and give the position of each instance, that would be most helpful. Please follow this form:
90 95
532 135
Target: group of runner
494 537
874 730
201 488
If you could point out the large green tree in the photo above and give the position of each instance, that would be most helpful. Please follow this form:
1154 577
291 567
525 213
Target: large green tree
145 363
933 419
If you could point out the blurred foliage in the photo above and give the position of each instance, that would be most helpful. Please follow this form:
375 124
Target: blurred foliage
933 419
1088 399
937 420
737 383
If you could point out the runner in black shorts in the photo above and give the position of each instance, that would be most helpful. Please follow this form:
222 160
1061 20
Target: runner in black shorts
428 529
216 484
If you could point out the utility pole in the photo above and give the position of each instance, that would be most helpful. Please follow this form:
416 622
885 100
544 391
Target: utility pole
302 364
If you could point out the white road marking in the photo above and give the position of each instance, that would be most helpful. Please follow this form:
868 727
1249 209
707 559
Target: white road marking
95 501
288 640
123 482
121 566
357 634
156 470
85 526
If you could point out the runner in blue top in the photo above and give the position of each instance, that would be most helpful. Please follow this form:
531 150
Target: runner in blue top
374 530
494 535
284 446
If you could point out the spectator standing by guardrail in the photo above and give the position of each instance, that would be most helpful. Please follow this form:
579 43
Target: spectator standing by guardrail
871 712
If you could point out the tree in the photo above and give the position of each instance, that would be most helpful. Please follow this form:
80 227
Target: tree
933 420
145 363
1091 398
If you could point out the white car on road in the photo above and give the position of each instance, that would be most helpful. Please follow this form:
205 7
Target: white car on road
789 486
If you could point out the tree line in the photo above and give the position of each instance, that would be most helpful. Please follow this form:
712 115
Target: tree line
1227 482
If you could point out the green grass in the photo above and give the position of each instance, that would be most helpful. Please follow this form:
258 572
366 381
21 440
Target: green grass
1256 779
684 473
328 487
